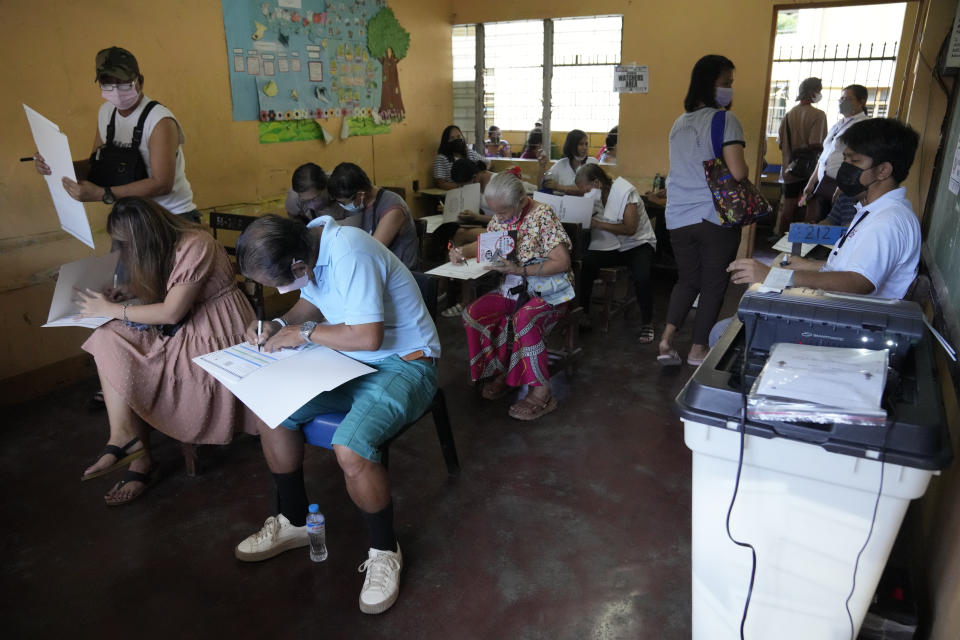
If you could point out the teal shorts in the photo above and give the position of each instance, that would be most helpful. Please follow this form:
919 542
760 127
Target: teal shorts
376 405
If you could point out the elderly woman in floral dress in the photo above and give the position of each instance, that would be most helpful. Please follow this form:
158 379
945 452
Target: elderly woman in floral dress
506 328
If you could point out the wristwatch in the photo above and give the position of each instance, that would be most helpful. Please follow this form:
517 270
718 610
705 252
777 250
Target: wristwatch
108 197
306 329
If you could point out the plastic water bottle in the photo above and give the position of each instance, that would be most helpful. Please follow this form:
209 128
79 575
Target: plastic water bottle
317 530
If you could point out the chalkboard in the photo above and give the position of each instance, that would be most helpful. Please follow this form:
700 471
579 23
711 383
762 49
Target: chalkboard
942 237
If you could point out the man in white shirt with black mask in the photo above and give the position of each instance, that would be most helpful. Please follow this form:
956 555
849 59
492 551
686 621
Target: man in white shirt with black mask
879 253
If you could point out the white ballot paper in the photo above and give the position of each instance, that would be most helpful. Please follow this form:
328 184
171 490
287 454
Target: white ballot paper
433 222
601 240
274 385
90 273
466 198
55 149
469 270
578 209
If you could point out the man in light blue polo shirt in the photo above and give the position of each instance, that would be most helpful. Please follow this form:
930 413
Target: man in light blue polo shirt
373 310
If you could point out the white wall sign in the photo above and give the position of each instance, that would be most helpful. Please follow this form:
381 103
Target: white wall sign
631 78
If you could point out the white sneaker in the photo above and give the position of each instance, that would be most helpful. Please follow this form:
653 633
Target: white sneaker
276 536
382 584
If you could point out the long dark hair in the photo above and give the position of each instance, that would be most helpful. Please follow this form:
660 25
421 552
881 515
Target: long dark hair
347 180
444 148
147 235
571 143
703 81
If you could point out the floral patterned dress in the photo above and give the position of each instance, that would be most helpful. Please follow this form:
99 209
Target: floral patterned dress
502 338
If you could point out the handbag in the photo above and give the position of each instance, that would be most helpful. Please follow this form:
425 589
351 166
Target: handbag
737 202
554 289
803 161
112 164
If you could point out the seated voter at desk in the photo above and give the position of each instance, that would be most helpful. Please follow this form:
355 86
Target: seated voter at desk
383 214
879 254
308 198
375 313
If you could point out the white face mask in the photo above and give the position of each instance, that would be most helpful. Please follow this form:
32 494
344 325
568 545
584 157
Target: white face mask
297 284
816 97
723 96
352 206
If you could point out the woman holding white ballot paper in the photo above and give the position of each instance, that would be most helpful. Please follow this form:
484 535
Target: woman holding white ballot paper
189 305
620 235
506 328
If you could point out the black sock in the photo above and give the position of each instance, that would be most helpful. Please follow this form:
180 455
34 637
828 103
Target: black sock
381 528
292 496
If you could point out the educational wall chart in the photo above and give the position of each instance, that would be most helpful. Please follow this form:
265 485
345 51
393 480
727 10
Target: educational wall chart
305 67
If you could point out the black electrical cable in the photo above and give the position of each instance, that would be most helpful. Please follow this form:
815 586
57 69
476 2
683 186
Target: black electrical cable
876 504
736 485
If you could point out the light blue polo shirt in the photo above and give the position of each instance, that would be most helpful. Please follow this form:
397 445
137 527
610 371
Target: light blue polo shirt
358 280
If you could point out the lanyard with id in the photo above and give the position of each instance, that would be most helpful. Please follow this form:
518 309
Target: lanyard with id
849 231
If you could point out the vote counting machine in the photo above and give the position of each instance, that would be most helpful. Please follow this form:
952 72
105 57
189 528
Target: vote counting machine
917 436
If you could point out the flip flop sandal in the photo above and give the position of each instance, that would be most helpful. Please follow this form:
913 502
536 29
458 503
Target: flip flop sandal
494 391
695 362
671 359
646 334
147 479
528 410
121 454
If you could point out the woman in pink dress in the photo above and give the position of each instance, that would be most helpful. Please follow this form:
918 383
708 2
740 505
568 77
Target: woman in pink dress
187 305
505 334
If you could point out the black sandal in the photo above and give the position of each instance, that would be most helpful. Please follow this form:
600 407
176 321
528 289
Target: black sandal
120 453
147 479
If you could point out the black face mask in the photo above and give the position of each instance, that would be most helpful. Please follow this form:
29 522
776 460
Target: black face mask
848 180
456 147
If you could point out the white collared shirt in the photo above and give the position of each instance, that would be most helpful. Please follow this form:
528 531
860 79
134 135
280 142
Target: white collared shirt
832 155
882 244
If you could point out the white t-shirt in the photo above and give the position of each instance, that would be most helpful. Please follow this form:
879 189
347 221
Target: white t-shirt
622 193
180 200
832 155
882 245
563 174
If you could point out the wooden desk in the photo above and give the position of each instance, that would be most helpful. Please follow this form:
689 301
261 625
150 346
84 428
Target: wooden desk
434 197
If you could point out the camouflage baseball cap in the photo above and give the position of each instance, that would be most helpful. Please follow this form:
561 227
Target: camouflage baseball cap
118 63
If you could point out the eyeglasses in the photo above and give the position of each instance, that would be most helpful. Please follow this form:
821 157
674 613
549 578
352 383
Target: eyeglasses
123 86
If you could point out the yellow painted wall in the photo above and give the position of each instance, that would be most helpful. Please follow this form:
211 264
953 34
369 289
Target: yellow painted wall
669 37
49 48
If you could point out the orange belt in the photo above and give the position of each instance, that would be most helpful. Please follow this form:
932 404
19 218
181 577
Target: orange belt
417 355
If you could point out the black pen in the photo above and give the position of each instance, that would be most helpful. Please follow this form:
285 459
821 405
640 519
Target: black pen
27 159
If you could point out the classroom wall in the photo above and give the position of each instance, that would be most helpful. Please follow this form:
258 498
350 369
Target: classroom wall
50 47
669 37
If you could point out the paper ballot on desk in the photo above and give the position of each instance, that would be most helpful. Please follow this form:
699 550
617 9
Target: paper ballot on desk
601 240
799 379
90 273
55 149
469 270
785 246
456 201
274 385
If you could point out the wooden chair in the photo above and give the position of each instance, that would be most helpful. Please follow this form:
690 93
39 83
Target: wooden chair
319 431
614 279
563 343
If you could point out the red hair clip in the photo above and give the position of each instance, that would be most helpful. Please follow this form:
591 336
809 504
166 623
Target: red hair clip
515 170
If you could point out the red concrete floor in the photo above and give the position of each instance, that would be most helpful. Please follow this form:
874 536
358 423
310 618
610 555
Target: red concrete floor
575 526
